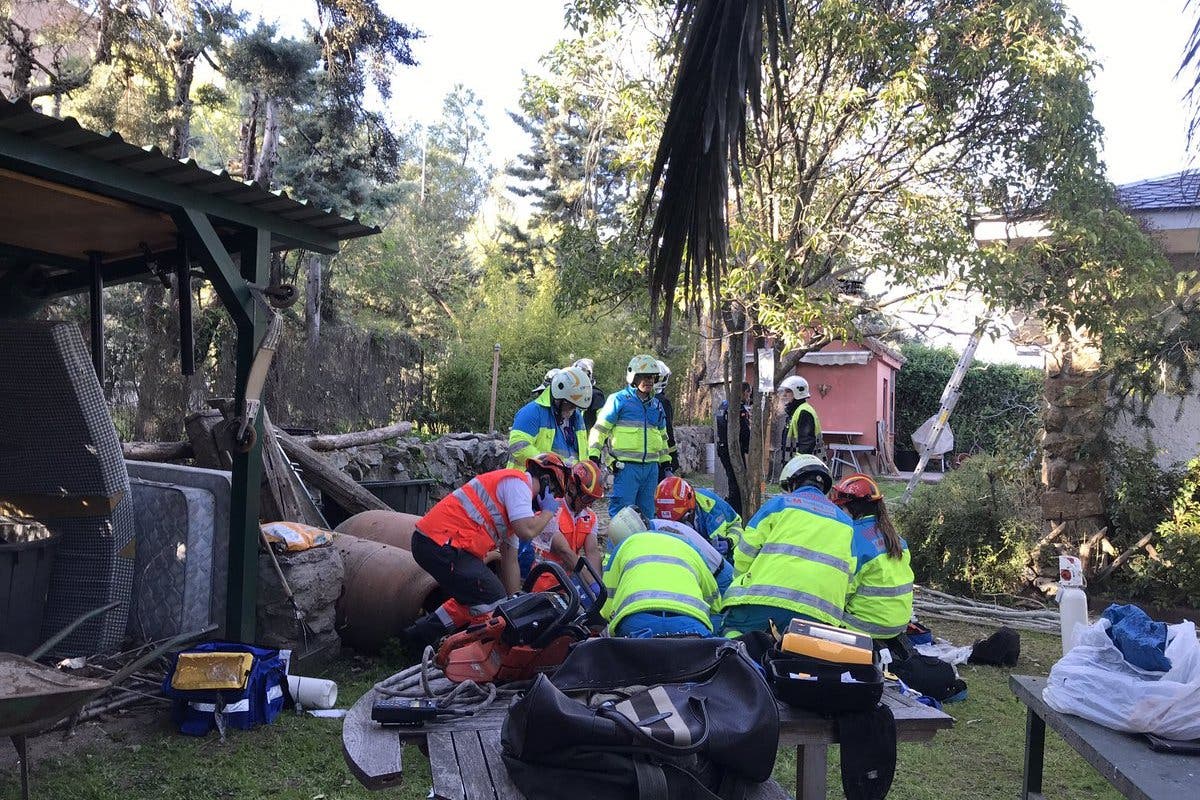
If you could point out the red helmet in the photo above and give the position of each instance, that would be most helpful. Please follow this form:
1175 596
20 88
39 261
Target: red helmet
674 499
586 480
549 465
855 487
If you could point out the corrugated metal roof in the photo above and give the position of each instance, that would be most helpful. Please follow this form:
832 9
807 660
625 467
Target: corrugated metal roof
19 117
1178 191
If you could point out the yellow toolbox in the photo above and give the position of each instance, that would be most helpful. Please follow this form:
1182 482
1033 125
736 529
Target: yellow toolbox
827 643
212 671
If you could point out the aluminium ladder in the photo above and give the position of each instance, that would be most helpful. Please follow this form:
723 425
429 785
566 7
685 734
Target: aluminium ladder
949 400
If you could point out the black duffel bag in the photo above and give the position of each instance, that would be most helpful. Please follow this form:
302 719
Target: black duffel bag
653 718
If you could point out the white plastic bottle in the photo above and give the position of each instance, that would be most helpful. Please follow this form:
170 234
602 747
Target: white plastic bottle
1072 600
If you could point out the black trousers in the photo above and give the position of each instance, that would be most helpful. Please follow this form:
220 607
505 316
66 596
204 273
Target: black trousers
735 493
463 576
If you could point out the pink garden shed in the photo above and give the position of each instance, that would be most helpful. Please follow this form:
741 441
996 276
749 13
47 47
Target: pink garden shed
853 388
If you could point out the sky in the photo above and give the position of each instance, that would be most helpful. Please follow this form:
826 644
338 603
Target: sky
485 45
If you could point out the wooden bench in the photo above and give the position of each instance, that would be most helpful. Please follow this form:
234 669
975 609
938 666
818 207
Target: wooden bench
1125 760
464 754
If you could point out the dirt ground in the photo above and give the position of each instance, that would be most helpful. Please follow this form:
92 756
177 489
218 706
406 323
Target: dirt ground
123 728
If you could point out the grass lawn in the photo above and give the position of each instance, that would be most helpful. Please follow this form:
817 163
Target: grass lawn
300 758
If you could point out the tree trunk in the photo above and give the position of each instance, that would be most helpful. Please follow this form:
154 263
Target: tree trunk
20 55
249 135
330 480
312 306
264 169
183 68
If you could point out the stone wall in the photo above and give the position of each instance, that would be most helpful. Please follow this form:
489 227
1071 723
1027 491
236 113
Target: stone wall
454 459
1072 444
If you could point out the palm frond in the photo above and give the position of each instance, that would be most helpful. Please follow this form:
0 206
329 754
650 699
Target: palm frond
717 74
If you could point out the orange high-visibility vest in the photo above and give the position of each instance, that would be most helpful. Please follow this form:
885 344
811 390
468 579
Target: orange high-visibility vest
576 531
472 518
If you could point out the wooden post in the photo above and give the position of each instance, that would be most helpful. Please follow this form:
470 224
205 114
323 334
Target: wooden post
96 304
183 290
495 384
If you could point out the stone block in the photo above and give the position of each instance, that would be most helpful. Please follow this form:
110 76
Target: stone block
1058 505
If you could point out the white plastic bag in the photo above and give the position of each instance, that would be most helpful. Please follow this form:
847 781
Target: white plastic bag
1094 681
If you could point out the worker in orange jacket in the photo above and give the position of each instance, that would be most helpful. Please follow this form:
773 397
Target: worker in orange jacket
497 509
572 532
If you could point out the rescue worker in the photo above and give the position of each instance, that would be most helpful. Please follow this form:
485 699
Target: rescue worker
553 421
634 425
802 433
701 509
660 391
658 585
494 510
589 414
881 597
572 532
723 452
797 558
550 373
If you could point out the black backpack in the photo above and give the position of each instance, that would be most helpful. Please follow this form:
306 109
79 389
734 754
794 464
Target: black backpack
663 719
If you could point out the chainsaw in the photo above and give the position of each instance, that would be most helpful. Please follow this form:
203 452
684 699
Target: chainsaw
528 633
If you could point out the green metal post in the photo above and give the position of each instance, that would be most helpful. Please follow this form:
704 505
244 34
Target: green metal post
255 258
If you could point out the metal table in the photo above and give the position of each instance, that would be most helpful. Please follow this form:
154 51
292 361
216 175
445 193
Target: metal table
1125 760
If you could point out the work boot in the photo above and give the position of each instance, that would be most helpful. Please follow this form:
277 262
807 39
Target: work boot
424 632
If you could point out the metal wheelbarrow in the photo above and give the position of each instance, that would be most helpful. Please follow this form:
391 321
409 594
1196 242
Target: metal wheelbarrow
34 697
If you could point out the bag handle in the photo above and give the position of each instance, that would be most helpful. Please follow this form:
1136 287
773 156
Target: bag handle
608 711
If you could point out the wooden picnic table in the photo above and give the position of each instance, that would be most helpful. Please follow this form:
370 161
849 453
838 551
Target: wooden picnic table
1124 759
464 753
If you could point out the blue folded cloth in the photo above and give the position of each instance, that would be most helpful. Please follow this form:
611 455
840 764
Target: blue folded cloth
1141 640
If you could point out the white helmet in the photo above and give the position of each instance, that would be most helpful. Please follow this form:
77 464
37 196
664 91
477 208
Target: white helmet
541 387
588 366
664 375
641 365
627 522
573 385
802 465
797 386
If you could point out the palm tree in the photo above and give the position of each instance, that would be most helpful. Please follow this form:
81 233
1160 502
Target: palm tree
718 74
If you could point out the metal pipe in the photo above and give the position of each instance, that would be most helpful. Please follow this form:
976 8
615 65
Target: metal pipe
96 297
183 288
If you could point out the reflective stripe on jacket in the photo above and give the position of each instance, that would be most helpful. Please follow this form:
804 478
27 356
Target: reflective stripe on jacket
652 572
798 553
574 529
881 598
716 518
472 518
534 429
635 430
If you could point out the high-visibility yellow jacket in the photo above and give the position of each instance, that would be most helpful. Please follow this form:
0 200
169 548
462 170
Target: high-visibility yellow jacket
534 430
799 552
654 572
715 518
637 428
881 597
793 428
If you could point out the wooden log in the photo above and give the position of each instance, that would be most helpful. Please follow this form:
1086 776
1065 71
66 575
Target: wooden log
1125 556
341 441
330 480
207 454
284 497
156 451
